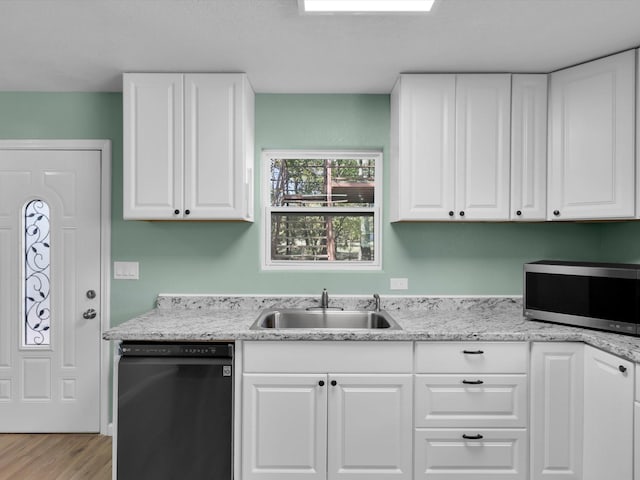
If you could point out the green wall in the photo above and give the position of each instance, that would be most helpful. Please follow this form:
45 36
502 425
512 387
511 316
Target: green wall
223 257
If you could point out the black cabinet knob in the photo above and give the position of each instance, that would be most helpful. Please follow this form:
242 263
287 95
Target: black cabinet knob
451 213
556 213
333 383
462 213
321 383
176 211
519 213
622 368
472 437
187 212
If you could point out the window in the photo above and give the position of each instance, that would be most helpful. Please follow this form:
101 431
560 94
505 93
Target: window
321 210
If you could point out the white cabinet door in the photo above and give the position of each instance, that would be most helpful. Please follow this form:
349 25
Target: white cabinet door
370 424
423 147
608 416
473 454
284 427
483 120
218 156
529 147
557 378
471 400
636 443
637 132
153 146
591 145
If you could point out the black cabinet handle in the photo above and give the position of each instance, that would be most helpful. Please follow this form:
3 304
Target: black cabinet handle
451 213
187 212
556 213
321 383
473 352
462 213
333 383
622 368
472 437
176 211
472 382
519 213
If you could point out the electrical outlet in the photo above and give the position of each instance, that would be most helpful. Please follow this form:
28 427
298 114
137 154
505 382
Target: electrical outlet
399 284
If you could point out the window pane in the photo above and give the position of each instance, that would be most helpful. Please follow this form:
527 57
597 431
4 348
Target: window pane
332 238
323 182
37 263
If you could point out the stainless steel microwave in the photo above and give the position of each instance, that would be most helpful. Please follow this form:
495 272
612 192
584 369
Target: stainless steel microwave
605 296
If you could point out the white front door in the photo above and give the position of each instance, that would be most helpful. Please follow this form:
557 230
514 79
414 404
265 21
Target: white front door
49 282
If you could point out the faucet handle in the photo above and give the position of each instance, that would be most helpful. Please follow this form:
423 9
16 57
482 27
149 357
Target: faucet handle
324 299
376 297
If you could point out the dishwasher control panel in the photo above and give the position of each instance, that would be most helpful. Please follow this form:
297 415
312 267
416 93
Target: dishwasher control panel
153 349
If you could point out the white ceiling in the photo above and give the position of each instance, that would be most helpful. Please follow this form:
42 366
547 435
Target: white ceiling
85 45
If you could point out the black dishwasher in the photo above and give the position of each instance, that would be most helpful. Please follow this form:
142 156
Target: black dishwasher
175 411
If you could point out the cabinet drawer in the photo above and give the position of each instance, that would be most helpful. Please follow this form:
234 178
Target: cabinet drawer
328 357
443 454
471 357
449 401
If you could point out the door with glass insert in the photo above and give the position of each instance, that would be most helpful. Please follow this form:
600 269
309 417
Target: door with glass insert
49 291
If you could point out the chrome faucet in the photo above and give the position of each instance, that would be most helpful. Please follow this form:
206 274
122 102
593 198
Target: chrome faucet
376 297
324 299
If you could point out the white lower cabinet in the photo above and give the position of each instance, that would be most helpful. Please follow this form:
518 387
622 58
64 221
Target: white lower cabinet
582 413
471 411
608 416
369 427
284 432
329 425
557 378
437 411
636 442
471 400
474 454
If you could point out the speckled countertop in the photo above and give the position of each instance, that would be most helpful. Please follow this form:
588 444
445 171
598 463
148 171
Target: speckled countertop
208 318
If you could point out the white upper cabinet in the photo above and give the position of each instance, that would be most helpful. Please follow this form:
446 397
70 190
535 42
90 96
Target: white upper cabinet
483 120
153 145
591 140
188 147
450 147
529 147
638 138
423 147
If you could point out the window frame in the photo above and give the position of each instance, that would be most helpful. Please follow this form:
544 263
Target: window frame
267 209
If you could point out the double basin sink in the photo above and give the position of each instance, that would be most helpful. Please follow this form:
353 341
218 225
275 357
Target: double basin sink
327 318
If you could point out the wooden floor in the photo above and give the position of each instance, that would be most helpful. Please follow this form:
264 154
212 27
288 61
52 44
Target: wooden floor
64 456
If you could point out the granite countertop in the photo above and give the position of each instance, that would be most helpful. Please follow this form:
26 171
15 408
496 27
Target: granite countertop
208 318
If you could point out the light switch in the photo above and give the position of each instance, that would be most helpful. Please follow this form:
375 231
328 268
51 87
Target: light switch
126 271
399 284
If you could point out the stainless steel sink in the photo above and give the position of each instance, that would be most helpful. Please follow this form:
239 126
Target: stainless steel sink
324 318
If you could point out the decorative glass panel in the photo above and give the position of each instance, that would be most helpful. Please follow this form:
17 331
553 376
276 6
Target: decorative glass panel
37 274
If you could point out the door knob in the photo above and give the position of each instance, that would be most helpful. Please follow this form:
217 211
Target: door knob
89 314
